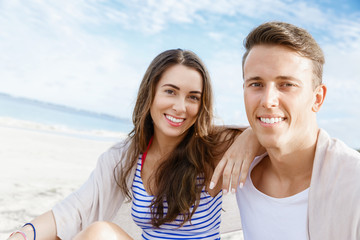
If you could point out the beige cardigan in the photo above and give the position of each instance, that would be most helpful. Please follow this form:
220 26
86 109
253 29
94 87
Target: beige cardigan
98 199
334 195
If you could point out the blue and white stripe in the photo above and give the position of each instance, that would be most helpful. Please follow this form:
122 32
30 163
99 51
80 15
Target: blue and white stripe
205 222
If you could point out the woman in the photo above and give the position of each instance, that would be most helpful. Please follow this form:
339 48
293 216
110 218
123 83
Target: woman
164 166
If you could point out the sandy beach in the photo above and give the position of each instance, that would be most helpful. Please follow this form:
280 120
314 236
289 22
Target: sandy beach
41 165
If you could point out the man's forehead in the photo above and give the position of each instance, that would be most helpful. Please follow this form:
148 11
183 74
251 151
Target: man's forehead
275 57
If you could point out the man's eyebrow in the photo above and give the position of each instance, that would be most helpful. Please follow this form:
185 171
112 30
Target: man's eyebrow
177 88
253 78
256 78
287 78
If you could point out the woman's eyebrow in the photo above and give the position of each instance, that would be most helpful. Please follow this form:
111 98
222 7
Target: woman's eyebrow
177 88
197 92
171 85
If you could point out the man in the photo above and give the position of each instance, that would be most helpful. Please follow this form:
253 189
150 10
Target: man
307 185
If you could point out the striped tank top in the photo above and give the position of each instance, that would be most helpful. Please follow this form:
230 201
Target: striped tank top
205 222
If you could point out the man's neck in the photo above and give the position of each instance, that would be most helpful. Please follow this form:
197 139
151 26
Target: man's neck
285 171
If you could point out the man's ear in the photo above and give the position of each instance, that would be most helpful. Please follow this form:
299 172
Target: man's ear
320 93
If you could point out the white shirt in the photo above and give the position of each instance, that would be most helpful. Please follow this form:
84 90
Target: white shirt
265 217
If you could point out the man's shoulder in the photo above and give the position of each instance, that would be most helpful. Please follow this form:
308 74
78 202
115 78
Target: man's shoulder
334 158
335 149
335 189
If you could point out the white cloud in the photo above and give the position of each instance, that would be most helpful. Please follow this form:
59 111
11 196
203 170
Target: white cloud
216 36
226 74
340 112
47 55
347 33
80 53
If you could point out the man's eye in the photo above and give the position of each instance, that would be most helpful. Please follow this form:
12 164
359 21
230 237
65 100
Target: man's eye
255 85
287 85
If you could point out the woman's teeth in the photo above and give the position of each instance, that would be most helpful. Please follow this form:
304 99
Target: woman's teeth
175 120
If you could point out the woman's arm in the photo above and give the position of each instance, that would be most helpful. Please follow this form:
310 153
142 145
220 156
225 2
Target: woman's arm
45 228
236 161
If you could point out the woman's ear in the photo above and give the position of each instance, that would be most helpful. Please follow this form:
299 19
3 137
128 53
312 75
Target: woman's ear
320 93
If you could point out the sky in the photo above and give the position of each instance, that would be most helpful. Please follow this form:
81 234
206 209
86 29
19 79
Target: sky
92 54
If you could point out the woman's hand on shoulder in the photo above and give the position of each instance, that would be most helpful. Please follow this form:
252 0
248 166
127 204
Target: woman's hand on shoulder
236 161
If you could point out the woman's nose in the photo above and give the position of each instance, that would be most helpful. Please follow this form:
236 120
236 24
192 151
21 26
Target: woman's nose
179 105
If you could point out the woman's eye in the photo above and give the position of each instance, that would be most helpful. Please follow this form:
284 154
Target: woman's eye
169 91
194 98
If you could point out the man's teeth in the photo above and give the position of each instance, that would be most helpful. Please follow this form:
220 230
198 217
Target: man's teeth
176 120
271 120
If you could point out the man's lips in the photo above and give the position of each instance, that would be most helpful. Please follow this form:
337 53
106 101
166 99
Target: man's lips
271 120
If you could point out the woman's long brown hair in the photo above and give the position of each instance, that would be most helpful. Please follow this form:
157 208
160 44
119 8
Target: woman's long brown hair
177 177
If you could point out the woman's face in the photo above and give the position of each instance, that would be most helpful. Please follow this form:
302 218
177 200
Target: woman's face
177 101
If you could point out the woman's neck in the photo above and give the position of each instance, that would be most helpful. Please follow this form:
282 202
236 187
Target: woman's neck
162 146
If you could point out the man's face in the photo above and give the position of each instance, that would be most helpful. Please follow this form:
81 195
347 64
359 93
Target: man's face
279 97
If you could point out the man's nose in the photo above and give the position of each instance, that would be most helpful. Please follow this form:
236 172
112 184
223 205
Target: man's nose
270 97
